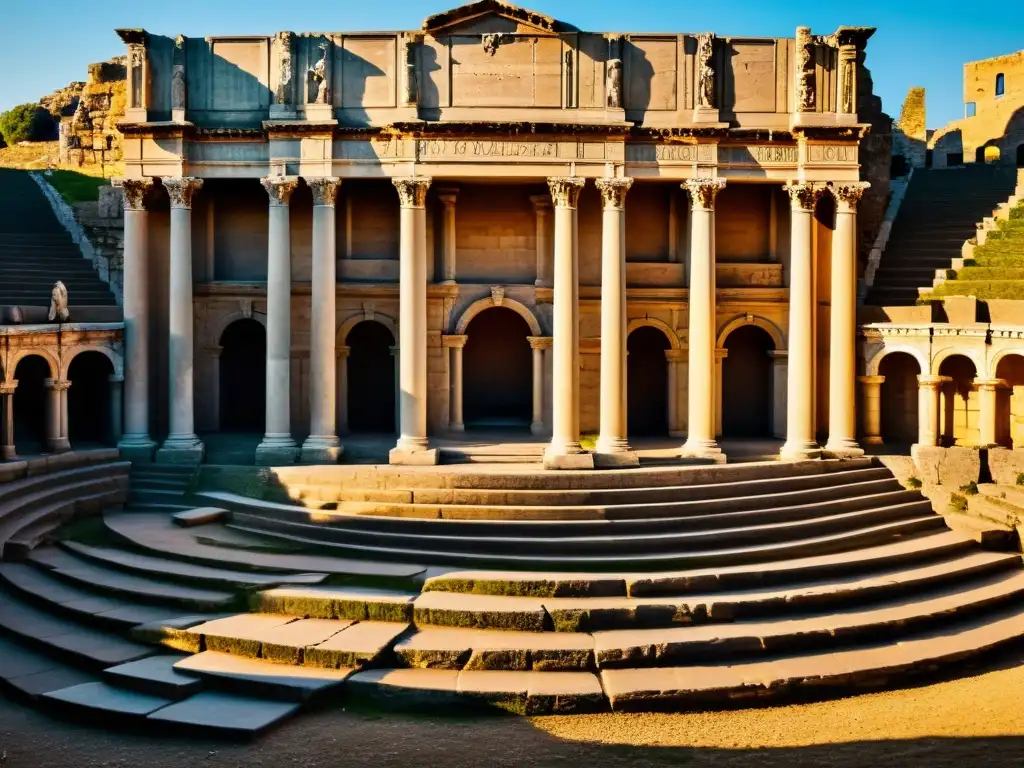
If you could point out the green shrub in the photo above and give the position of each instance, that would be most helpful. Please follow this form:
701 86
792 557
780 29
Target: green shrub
971 489
957 503
914 483
27 122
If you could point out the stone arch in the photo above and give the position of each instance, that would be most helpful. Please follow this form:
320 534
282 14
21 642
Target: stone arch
43 352
115 358
497 369
89 408
477 307
938 358
874 362
1008 366
223 321
32 402
242 376
661 325
766 325
997 358
898 396
648 380
747 381
959 404
377 317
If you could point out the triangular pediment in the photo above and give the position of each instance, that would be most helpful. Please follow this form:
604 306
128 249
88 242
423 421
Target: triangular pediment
486 16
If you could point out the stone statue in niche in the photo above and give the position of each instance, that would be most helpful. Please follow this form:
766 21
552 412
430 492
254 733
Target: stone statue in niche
614 84
705 70
319 74
178 92
284 80
805 43
137 59
59 303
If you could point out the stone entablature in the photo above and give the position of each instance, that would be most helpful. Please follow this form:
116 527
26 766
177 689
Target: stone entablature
931 343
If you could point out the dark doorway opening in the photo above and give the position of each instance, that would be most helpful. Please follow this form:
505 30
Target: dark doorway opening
899 398
89 421
371 378
747 383
243 377
497 370
647 382
30 406
1020 156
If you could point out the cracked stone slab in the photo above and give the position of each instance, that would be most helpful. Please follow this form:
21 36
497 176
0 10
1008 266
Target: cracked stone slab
286 644
173 633
264 678
325 602
452 609
224 713
356 646
534 693
485 649
241 634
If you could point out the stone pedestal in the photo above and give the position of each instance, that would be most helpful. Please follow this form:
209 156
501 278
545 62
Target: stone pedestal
7 449
565 451
613 449
871 409
278 446
182 445
540 346
413 446
455 344
800 442
322 446
700 439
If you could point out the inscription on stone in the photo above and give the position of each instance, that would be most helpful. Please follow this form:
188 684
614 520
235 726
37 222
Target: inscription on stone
832 153
758 155
448 148
662 153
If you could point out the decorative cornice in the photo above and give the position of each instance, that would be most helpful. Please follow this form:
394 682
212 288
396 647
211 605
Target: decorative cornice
181 189
847 194
280 188
803 195
613 191
440 21
453 340
133 36
565 190
324 189
703 192
135 191
412 191
540 342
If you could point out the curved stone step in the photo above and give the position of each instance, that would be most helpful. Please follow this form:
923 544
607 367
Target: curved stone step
281 682
26 674
340 602
15 489
462 648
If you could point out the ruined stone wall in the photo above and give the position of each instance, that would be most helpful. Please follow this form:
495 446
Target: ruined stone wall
910 132
88 136
876 150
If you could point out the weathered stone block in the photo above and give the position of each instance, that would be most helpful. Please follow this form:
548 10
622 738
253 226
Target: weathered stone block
1005 464
951 467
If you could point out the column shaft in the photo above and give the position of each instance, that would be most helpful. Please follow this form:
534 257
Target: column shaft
700 439
842 411
182 444
542 211
565 451
928 393
538 344
136 443
448 233
456 422
322 445
342 383
871 409
7 449
116 384
413 446
800 442
613 445
987 414
278 446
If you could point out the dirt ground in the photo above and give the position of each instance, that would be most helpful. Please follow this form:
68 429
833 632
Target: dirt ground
975 721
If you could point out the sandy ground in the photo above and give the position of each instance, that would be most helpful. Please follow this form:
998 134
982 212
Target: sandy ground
976 721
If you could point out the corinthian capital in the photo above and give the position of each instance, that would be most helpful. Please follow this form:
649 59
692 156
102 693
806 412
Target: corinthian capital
703 192
847 194
280 188
613 191
565 190
135 191
324 189
803 195
412 191
181 190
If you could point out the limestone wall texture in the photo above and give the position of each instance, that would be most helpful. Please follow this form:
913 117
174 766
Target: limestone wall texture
910 131
88 135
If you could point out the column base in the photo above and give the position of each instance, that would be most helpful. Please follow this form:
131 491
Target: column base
568 456
8 452
615 452
873 440
456 427
181 449
844 448
137 449
702 449
274 451
800 450
538 428
425 457
321 449
60 445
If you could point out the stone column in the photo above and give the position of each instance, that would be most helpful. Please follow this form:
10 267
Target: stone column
322 446
542 211
871 409
182 444
538 344
929 389
987 415
56 419
700 438
565 451
7 449
341 380
396 385
278 446
413 446
842 410
455 345
447 196
116 384
800 442
675 357
613 445
780 384
136 444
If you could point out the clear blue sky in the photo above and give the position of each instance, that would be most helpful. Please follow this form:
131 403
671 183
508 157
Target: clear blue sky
47 43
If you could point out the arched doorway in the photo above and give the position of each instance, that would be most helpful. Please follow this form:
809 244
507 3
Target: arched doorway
747 383
1020 156
89 421
958 407
899 398
647 382
243 377
371 378
30 406
1010 401
497 371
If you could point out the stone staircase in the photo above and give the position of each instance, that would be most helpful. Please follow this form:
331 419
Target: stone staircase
659 588
161 488
940 212
36 251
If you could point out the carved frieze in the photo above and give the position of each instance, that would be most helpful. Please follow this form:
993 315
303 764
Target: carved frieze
832 153
280 188
565 190
681 153
412 191
705 70
804 195
324 189
758 154
135 191
704 191
613 191
181 190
